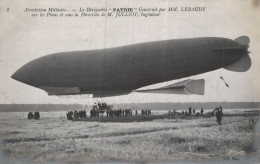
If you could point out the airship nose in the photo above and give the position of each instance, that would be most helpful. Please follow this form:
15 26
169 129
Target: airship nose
22 75
29 73
16 76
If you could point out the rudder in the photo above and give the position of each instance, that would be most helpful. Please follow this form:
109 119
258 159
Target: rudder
243 40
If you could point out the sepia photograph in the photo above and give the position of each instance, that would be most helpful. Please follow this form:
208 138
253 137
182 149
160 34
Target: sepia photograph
139 81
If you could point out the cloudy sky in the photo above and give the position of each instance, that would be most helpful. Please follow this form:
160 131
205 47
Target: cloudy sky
24 38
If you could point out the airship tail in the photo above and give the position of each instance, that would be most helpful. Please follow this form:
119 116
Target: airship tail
244 63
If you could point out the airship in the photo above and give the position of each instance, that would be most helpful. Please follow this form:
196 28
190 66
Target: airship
121 70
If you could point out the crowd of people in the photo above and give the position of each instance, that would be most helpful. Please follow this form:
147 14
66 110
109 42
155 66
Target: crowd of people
192 111
101 108
146 111
218 112
119 113
189 112
76 114
126 112
94 112
35 115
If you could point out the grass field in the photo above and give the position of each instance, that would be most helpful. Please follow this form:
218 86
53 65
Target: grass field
53 138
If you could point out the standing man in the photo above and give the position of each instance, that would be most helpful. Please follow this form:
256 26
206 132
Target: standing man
107 111
219 115
190 110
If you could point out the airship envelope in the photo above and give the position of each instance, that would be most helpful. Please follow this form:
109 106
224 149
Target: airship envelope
124 69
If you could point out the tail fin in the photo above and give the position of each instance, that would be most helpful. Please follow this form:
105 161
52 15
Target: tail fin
243 40
241 65
244 63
